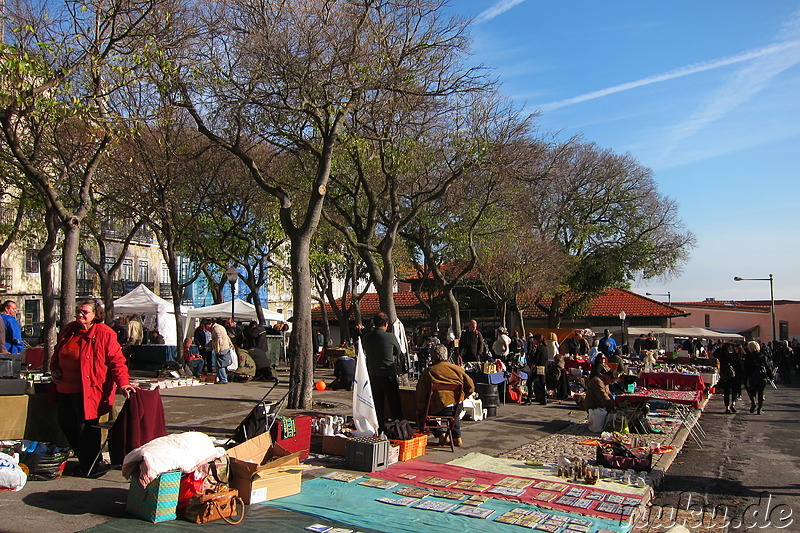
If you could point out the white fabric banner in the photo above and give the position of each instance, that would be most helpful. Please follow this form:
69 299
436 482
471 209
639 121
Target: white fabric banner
364 415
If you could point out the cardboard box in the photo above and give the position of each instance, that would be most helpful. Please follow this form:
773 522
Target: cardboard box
261 470
15 415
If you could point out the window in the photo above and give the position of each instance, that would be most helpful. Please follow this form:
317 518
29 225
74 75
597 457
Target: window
164 273
783 330
708 321
144 272
127 270
80 269
31 261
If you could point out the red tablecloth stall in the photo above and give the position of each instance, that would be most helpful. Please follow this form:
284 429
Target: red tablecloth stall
671 380
684 397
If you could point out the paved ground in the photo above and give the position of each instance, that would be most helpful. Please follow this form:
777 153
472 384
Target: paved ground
742 455
747 472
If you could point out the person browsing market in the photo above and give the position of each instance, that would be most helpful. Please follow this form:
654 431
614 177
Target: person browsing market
87 367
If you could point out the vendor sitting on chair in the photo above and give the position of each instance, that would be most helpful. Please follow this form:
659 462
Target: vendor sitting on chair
597 392
442 403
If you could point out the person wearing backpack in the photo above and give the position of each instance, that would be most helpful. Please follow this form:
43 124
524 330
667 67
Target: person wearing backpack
730 372
757 371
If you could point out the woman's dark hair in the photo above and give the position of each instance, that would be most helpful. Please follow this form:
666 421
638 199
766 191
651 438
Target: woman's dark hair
97 308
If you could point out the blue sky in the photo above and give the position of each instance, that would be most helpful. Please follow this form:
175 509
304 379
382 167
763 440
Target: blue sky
706 94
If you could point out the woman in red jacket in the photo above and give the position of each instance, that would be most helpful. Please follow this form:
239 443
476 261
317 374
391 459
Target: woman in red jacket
87 366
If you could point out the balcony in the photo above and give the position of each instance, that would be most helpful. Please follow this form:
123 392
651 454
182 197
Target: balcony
83 287
165 290
122 287
6 279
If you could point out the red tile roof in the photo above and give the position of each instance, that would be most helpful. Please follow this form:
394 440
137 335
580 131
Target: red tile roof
611 302
607 304
407 304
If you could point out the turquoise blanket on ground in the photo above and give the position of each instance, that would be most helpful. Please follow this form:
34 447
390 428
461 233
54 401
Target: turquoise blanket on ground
354 504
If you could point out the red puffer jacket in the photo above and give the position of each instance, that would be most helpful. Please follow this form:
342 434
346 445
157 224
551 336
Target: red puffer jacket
103 367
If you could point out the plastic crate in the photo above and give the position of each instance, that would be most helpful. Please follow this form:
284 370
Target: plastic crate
300 441
156 502
367 454
413 447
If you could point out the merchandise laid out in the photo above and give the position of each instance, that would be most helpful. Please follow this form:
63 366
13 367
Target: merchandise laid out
567 496
395 510
691 398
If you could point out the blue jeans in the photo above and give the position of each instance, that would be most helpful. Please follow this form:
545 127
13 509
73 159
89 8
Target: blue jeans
222 360
196 367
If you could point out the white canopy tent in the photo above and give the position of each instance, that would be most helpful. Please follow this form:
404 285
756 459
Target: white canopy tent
142 300
693 332
241 311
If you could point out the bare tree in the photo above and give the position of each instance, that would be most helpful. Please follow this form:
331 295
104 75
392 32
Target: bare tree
289 75
60 75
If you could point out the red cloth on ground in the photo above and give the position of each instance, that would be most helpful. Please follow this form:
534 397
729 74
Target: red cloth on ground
140 421
422 469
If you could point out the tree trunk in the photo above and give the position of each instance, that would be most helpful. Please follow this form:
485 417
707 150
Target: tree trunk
45 256
69 262
301 357
107 294
554 313
455 312
521 322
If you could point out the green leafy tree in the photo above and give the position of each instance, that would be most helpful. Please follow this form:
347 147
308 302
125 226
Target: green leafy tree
604 213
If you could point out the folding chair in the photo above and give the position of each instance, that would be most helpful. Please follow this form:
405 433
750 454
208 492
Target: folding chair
447 423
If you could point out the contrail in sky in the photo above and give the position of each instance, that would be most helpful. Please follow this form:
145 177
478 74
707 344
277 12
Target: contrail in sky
498 9
672 74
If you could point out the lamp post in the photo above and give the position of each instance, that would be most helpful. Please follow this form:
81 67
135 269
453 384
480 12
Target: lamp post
233 276
669 300
771 299
622 316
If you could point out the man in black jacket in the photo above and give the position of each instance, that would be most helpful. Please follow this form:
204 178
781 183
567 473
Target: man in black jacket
537 362
381 349
471 346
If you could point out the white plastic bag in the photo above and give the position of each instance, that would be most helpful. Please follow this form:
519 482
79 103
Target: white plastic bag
12 477
234 361
597 419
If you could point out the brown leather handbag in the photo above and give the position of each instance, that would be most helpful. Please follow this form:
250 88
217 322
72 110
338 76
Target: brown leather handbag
215 504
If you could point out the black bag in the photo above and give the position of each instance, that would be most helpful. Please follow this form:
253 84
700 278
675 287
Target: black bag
45 466
253 425
399 430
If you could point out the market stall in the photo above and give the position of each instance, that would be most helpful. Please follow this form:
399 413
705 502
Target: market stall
142 301
242 311
667 336
671 381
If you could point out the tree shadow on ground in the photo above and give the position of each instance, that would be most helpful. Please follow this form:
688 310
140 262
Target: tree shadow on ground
104 501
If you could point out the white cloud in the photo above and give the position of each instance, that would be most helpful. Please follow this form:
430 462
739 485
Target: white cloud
498 9
780 49
745 84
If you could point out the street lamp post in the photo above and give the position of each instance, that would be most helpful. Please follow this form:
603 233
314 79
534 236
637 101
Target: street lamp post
622 316
771 299
233 276
668 294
